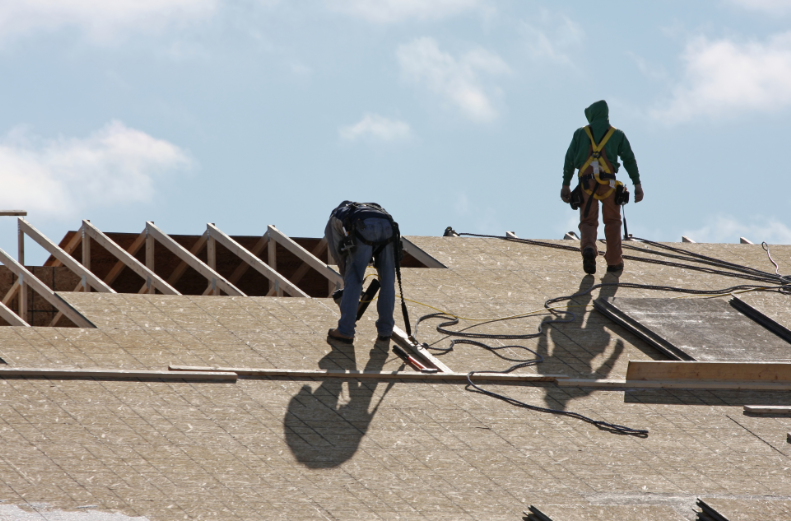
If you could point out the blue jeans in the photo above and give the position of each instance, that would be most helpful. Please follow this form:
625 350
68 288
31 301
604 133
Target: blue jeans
375 230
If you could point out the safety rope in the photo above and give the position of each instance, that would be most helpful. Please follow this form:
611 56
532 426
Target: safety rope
565 316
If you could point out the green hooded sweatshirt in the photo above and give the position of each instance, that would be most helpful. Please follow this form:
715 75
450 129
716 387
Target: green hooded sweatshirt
598 117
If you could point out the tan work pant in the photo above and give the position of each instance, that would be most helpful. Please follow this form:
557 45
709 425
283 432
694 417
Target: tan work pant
611 215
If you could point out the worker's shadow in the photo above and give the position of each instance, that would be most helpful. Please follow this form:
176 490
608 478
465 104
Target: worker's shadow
577 344
323 428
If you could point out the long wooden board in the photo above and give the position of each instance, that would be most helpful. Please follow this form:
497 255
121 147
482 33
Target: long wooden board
383 375
101 374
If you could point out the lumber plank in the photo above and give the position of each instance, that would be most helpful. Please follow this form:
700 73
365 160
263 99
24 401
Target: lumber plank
119 265
124 256
182 267
768 409
675 384
721 371
66 259
12 318
420 255
304 255
42 289
260 266
193 262
28 372
374 375
243 267
401 337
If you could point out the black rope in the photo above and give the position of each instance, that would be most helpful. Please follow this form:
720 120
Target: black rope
736 270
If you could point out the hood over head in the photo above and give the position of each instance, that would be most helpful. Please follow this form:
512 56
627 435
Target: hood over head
598 115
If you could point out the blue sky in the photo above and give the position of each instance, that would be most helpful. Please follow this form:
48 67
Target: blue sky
447 112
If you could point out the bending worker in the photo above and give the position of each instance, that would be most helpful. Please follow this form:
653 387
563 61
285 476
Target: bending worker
357 233
594 150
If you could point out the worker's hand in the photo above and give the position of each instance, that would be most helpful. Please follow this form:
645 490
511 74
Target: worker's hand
638 193
565 193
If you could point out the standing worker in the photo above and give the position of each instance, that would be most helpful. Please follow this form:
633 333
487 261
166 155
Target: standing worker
594 151
357 233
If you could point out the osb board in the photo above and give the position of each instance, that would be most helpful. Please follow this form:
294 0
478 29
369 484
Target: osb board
310 450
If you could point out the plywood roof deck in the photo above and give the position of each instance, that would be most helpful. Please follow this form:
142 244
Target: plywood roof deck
311 449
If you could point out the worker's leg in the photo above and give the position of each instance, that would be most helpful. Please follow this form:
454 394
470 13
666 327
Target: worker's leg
589 224
385 266
352 288
611 216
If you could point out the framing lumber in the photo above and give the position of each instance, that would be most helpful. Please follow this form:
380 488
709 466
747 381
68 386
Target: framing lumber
420 255
718 371
119 265
303 254
215 279
113 374
182 267
42 289
12 292
69 248
12 318
378 375
305 267
135 265
256 250
275 278
88 278
768 409
405 341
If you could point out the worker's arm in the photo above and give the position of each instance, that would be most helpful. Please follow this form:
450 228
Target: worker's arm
568 165
629 162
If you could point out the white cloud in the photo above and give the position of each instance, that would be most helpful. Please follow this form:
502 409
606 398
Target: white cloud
101 20
388 11
376 127
114 166
767 6
724 77
553 37
724 228
459 80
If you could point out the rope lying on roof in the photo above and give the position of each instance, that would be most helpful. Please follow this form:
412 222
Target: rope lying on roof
783 285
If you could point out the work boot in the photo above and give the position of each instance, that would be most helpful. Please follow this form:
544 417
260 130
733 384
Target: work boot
589 260
617 268
333 334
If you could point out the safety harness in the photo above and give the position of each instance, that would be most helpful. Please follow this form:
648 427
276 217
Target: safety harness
353 219
597 168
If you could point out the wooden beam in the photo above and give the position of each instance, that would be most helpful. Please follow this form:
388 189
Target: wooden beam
182 267
275 278
768 409
305 267
193 262
42 289
243 267
75 241
304 255
12 292
119 265
20 244
12 318
66 259
421 256
719 371
124 256
620 385
401 337
113 374
383 375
